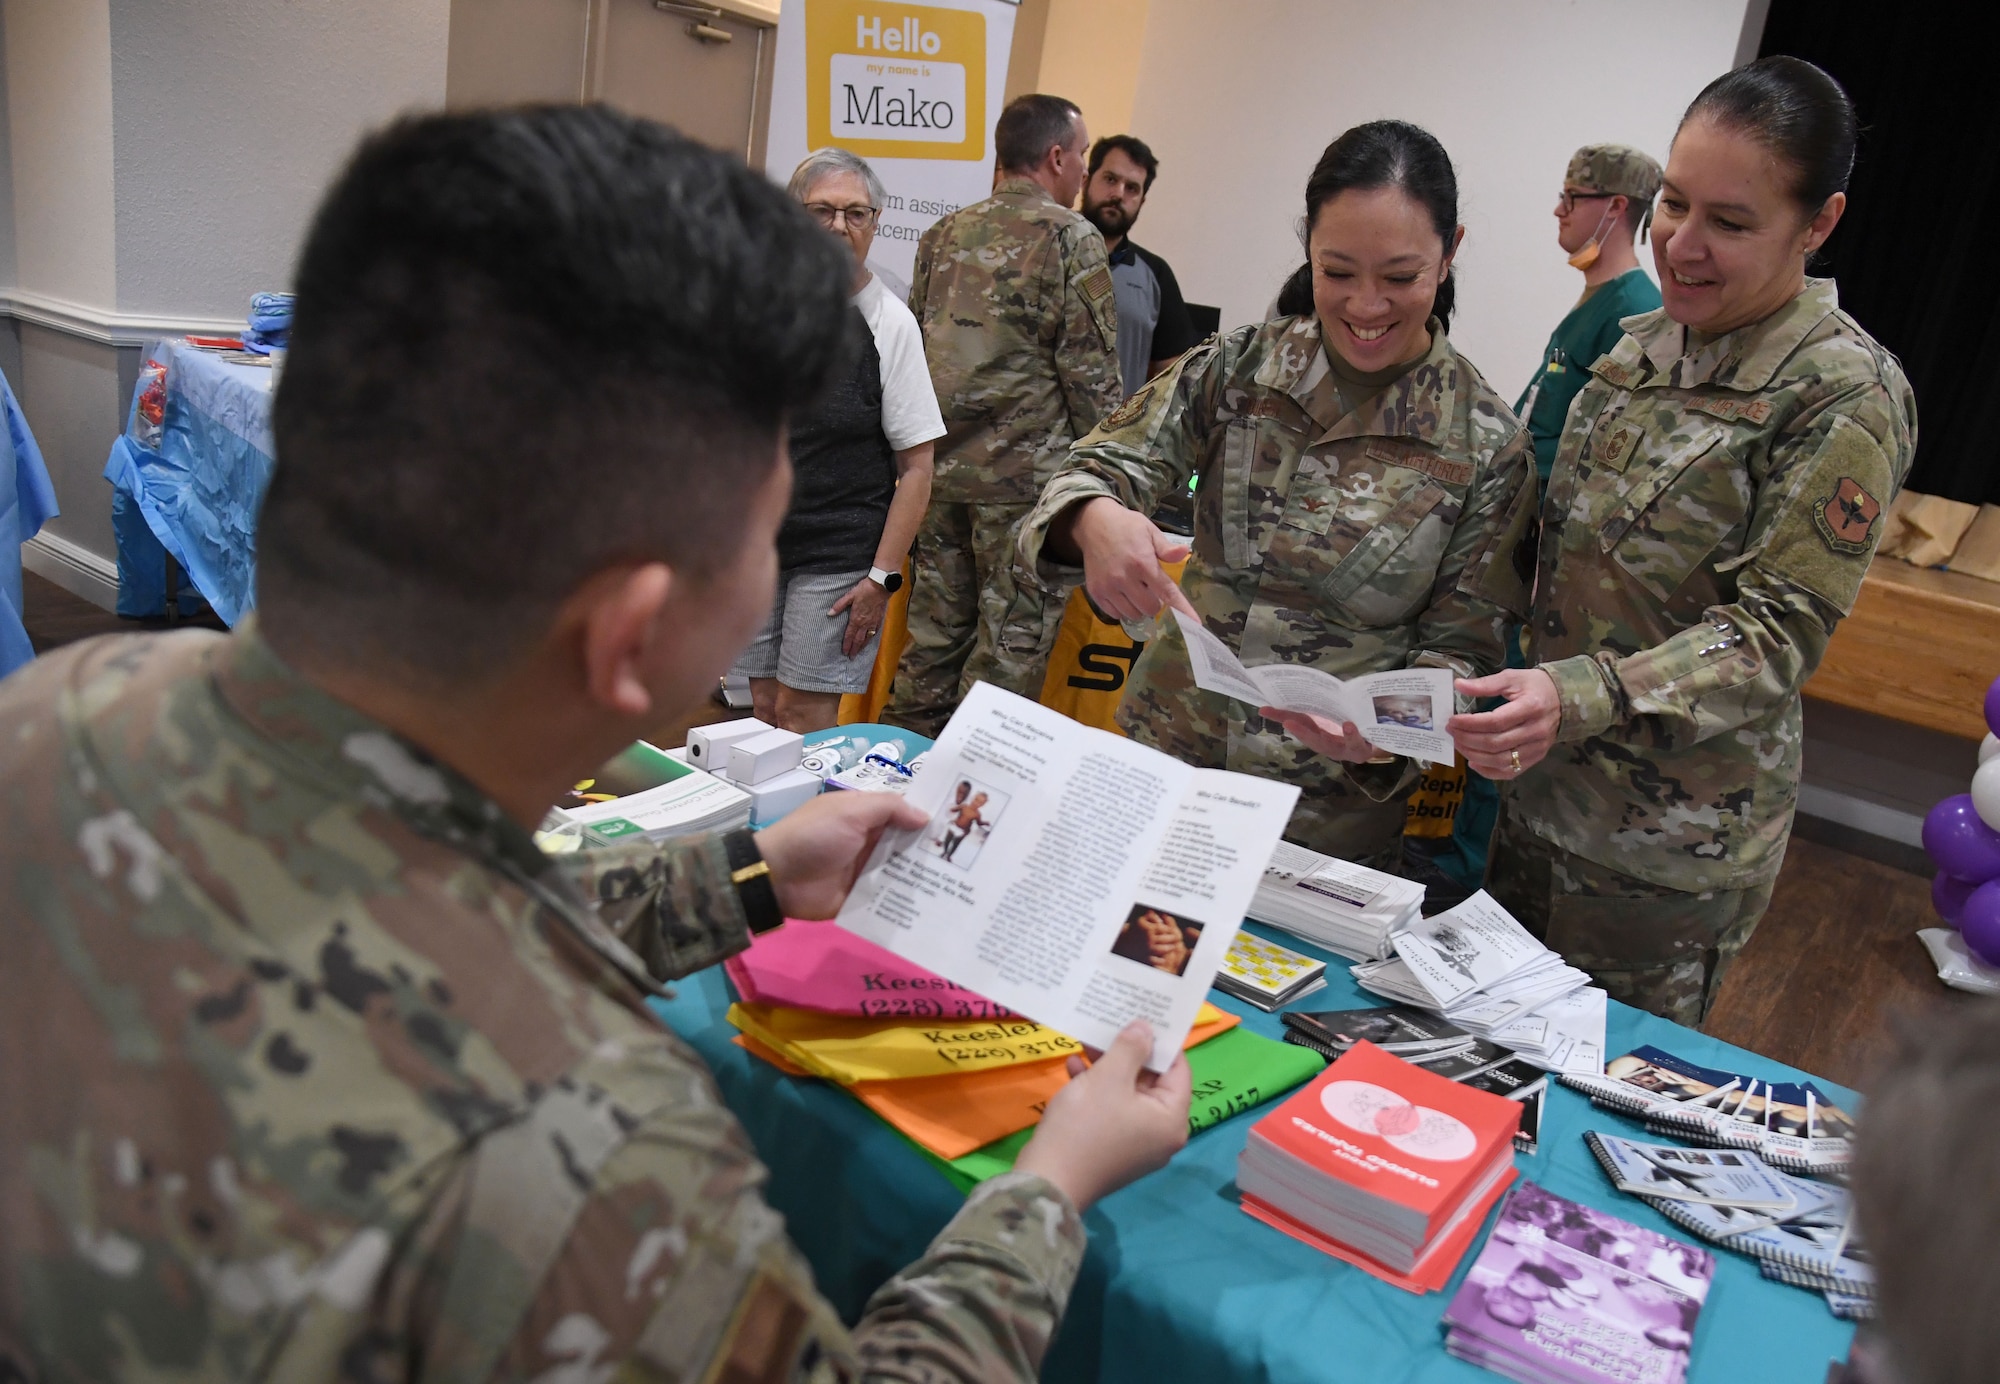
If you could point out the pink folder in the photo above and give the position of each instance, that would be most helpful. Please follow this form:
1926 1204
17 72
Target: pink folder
826 968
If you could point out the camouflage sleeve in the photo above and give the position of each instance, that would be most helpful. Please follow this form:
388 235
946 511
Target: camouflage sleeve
1140 451
1813 529
651 1253
673 903
1086 348
1482 579
920 272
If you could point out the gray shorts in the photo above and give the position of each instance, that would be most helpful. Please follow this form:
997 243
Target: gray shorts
800 646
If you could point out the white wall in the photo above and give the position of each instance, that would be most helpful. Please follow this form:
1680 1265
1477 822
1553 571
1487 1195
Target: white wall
59 137
1239 101
231 119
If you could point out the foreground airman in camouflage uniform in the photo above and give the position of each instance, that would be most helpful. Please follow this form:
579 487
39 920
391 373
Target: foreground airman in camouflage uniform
1713 509
313 1067
1349 527
1021 329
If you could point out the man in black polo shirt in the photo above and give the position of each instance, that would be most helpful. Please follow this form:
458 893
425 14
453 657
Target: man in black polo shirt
1153 325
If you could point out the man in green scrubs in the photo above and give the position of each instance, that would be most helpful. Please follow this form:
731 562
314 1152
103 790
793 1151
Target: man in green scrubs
1606 203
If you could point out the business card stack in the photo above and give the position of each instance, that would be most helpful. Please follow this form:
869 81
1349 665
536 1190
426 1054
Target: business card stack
1800 1231
1478 967
1266 974
1346 908
1563 1293
1383 1165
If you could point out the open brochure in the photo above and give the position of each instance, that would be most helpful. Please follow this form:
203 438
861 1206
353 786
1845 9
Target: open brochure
1069 874
1402 712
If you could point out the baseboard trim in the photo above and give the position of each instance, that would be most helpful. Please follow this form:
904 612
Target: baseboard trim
1876 819
73 567
107 328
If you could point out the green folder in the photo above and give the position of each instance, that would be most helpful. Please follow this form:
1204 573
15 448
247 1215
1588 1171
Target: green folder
1232 1072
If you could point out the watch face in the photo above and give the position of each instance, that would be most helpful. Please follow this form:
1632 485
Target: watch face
893 582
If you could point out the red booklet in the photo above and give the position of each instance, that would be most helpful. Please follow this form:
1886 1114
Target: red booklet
1381 1147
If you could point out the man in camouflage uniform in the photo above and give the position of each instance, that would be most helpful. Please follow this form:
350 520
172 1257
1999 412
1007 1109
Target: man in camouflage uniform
1713 510
1352 526
313 1066
1020 323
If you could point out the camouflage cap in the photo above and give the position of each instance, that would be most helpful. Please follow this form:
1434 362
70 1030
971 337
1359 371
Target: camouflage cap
1618 169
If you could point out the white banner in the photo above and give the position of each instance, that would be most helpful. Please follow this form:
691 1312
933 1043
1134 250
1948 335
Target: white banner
914 89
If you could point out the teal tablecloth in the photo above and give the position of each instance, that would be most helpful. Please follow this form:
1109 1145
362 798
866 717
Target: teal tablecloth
1180 1284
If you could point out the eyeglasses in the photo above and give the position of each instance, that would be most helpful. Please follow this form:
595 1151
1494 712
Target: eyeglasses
1569 199
829 216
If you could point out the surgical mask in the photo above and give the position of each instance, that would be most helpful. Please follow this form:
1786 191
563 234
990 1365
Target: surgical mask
1587 256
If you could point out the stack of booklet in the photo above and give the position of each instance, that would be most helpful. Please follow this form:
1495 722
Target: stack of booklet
1433 1044
1266 974
644 792
1567 1294
1381 1164
1791 1125
1479 968
1346 908
1800 1231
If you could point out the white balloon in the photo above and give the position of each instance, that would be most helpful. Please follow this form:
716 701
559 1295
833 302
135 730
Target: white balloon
1989 747
1986 793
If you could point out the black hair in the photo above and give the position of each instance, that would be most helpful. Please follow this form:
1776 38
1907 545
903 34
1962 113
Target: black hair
528 345
1029 127
1382 153
1132 147
1796 111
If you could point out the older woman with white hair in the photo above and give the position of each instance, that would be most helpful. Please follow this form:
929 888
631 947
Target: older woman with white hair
861 462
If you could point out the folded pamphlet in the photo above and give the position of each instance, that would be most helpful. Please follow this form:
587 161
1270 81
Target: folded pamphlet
1336 904
1403 711
1069 874
1727 1177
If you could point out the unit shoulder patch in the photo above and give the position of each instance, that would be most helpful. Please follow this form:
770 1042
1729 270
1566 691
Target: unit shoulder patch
1846 518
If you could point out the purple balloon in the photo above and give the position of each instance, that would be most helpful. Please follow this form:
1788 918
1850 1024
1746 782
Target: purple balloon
1960 843
1948 896
1993 707
1980 925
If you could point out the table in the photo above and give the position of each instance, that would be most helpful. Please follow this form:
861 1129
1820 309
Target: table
188 490
1179 1283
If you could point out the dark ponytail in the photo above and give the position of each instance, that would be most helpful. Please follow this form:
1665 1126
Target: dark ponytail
1382 153
1794 110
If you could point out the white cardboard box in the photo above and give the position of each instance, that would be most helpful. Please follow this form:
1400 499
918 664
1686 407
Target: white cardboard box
774 797
760 758
708 746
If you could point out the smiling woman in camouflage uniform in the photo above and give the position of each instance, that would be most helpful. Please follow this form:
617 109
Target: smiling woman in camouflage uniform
1716 498
1362 495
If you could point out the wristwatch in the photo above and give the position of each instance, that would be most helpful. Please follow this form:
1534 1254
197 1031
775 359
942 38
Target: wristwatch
888 581
752 878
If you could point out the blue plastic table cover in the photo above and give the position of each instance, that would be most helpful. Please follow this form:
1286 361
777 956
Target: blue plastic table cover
1179 1283
197 493
27 501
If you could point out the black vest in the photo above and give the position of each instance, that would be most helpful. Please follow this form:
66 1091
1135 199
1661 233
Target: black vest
843 469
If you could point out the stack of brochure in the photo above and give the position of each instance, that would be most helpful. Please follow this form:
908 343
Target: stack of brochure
1479 968
1346 908
1564 1293
1381 1164
1799 1231
647 792
1791 1125
1439 1047
1266 974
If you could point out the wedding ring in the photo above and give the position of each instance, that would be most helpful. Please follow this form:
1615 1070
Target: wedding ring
1514 759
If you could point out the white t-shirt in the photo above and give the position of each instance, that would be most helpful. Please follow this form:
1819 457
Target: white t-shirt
909 404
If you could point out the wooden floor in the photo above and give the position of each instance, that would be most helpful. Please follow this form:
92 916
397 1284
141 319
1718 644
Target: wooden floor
1835 966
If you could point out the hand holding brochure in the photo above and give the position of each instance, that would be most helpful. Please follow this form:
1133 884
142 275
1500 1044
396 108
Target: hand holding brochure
1403 711
1069 874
